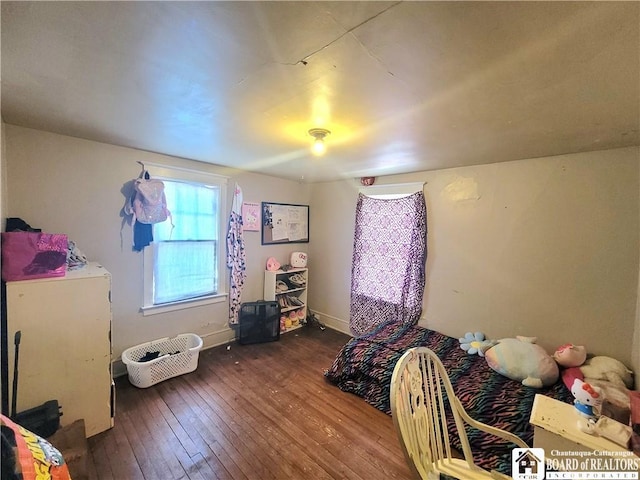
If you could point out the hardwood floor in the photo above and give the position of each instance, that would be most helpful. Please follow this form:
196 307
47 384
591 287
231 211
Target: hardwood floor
250 412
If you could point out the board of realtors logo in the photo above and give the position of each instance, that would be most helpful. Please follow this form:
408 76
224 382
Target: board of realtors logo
527 464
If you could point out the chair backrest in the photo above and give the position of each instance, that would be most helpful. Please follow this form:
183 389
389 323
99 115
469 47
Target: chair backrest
420 391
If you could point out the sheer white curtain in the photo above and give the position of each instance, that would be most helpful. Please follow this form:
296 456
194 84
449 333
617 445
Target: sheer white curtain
186 253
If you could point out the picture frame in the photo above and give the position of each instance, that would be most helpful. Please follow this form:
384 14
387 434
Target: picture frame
251 217
284 223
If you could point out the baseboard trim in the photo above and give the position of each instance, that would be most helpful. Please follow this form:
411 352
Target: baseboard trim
332 322
209 340
228 335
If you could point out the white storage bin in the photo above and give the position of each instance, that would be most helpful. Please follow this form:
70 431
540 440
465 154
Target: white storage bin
178 355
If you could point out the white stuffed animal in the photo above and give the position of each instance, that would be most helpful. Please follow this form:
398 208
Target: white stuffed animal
607 368
522 360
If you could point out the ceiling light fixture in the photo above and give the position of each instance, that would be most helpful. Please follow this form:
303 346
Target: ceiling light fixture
318 134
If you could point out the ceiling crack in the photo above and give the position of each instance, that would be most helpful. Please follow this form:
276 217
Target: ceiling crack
304 60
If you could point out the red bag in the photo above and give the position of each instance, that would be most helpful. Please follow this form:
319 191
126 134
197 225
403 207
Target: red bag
29 255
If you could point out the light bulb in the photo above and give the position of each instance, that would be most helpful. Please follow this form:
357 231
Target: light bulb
318 147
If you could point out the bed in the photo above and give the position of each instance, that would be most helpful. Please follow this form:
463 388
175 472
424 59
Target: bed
365 364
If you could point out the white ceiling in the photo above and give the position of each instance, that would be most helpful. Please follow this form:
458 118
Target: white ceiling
403 86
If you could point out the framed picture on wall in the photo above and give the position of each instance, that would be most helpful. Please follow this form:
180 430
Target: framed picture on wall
251 216
284 223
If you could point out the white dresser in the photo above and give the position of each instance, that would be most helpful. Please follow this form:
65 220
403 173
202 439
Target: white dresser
556 430
65 351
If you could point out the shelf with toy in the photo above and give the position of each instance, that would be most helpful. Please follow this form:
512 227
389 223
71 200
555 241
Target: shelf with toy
289 288
292 320
288 309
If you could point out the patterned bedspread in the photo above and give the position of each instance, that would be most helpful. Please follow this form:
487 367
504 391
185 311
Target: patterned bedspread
364 367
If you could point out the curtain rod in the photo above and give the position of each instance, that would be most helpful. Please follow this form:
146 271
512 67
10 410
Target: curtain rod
393 188
181 169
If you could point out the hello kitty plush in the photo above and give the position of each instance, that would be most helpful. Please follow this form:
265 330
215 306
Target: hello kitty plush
588 399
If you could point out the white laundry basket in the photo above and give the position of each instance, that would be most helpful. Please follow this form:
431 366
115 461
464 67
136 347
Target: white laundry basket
178 355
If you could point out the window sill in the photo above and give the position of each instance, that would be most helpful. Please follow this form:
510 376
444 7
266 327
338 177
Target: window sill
174 306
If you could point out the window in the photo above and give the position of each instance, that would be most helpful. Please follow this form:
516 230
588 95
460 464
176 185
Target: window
389 254
184 266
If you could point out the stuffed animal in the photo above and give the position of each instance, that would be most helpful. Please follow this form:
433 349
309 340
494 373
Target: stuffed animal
607 368
473 343
569 375
588 399
570 355
521 359
272 264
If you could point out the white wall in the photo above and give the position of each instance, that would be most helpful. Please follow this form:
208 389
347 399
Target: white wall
545 247
542 247
67 185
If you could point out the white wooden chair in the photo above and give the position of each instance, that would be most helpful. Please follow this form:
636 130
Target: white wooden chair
417 385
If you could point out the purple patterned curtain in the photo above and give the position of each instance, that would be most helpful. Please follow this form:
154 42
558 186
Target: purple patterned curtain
389 255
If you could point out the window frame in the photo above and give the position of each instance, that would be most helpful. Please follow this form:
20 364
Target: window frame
392 190
181 174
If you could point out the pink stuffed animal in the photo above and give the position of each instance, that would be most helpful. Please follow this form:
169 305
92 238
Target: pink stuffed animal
272 264
570 355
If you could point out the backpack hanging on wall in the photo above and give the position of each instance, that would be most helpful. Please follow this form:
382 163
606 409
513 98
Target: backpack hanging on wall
148 203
